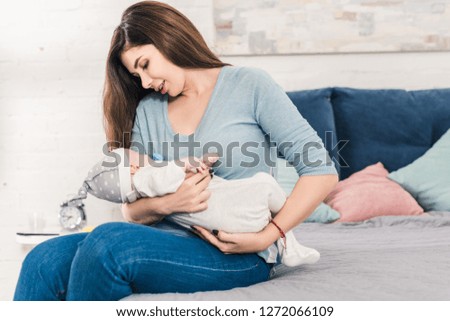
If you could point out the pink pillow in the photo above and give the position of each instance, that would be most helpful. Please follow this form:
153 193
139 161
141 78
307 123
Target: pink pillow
369 193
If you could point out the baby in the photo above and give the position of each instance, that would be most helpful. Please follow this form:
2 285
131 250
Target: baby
241 205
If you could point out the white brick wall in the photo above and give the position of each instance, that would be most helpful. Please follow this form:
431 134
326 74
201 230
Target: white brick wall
52 58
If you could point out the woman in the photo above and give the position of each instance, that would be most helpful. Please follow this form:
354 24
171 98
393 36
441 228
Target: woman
168 89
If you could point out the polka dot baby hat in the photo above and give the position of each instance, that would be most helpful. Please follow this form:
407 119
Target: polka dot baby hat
110 178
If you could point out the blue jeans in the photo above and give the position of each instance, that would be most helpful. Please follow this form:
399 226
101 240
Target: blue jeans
118 259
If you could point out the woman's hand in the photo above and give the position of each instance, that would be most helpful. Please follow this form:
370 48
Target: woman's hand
193 165
191 196
231 243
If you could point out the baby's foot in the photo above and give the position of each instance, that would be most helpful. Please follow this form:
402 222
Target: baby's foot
295 254
291 258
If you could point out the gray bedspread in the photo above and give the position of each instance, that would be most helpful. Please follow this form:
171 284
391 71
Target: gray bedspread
385 258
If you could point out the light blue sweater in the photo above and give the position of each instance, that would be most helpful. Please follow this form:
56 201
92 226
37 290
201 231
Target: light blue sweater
247 113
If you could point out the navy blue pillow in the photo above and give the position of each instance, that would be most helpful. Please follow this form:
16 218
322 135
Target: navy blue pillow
389 126
315 107
437 103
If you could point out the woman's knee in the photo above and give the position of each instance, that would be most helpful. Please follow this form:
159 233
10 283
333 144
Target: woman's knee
45 270
38 257
103 239
51 255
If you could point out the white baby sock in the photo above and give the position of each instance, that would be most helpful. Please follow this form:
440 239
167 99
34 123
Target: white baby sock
294 254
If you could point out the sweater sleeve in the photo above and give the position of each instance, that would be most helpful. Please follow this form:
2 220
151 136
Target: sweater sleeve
294 137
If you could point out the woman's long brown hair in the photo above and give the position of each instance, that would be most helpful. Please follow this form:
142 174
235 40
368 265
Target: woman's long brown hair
147 22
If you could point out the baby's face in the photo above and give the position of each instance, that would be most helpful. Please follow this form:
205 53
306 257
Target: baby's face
136 160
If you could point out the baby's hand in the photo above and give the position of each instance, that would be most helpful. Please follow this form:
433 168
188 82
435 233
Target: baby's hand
193 165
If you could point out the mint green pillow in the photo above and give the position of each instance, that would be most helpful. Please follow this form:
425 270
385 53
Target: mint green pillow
323 214
427 179
287 177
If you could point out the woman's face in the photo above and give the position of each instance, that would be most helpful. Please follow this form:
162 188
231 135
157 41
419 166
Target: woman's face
154 70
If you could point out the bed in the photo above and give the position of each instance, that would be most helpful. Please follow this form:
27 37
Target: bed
384 258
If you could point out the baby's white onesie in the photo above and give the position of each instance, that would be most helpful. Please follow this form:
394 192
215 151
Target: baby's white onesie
235 206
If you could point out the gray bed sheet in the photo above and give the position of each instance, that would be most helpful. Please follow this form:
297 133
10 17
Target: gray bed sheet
384 258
